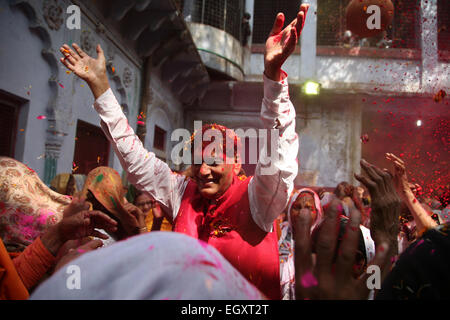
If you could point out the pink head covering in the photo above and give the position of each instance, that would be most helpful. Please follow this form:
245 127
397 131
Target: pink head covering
319 209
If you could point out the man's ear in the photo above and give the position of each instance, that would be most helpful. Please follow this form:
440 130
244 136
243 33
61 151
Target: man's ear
237 168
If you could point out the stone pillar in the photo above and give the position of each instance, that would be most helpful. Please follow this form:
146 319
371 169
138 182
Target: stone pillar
429 45
250 8
146 100
308 44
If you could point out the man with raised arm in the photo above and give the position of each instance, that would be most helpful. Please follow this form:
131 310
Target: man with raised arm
235 216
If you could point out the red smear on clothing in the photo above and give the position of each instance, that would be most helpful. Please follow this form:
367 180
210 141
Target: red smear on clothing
207 263
41 117
61 85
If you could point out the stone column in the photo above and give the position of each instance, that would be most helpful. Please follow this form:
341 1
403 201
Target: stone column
429 45
250 8
146 100
308 44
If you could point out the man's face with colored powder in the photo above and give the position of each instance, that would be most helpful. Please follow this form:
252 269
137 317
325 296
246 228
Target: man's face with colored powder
215 178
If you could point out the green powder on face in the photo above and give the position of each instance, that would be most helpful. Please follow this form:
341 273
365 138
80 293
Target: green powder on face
99 178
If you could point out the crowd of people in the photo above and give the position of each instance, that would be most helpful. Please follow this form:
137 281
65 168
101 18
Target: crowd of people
211 232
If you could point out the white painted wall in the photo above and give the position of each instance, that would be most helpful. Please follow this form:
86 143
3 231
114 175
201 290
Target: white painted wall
164 111
22 65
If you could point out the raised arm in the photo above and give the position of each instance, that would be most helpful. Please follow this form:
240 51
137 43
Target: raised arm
273 182
421 217
144 170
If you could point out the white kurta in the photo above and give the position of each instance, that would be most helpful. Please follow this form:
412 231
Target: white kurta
268 193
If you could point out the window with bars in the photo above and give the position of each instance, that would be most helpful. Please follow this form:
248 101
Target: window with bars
8 127
159 140
9 116
265 13
223 14
402 33
443 20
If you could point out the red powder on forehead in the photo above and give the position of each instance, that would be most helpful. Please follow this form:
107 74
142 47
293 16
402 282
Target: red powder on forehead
305 193
227 135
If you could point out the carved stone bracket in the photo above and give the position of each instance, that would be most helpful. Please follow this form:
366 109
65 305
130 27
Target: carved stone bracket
53 14
87 42
127 77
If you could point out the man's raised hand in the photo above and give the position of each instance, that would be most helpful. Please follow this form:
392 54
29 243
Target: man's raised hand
91 70
281 42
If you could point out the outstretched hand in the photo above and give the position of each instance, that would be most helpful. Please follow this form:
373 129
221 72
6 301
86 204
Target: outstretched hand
401 180
407 192
281 42
386 204
77 204
326 280
132 219
91 70
84 223
77 223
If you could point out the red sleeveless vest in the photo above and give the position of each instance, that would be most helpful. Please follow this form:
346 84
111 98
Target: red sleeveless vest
228 226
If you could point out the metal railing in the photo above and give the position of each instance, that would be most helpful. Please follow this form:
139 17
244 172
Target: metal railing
225 15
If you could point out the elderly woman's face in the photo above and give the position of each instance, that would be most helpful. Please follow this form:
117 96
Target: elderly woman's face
305 201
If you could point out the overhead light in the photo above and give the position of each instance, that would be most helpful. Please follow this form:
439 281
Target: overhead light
311 88
419 123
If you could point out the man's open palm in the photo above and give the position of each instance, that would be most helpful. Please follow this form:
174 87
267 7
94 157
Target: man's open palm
281 42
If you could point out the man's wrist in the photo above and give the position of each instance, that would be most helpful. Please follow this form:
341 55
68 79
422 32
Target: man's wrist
99 87
274 74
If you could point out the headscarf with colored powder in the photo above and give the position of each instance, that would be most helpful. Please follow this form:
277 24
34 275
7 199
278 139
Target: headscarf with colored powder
27 206
317 204
59 183
286 245
182 268
106 185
